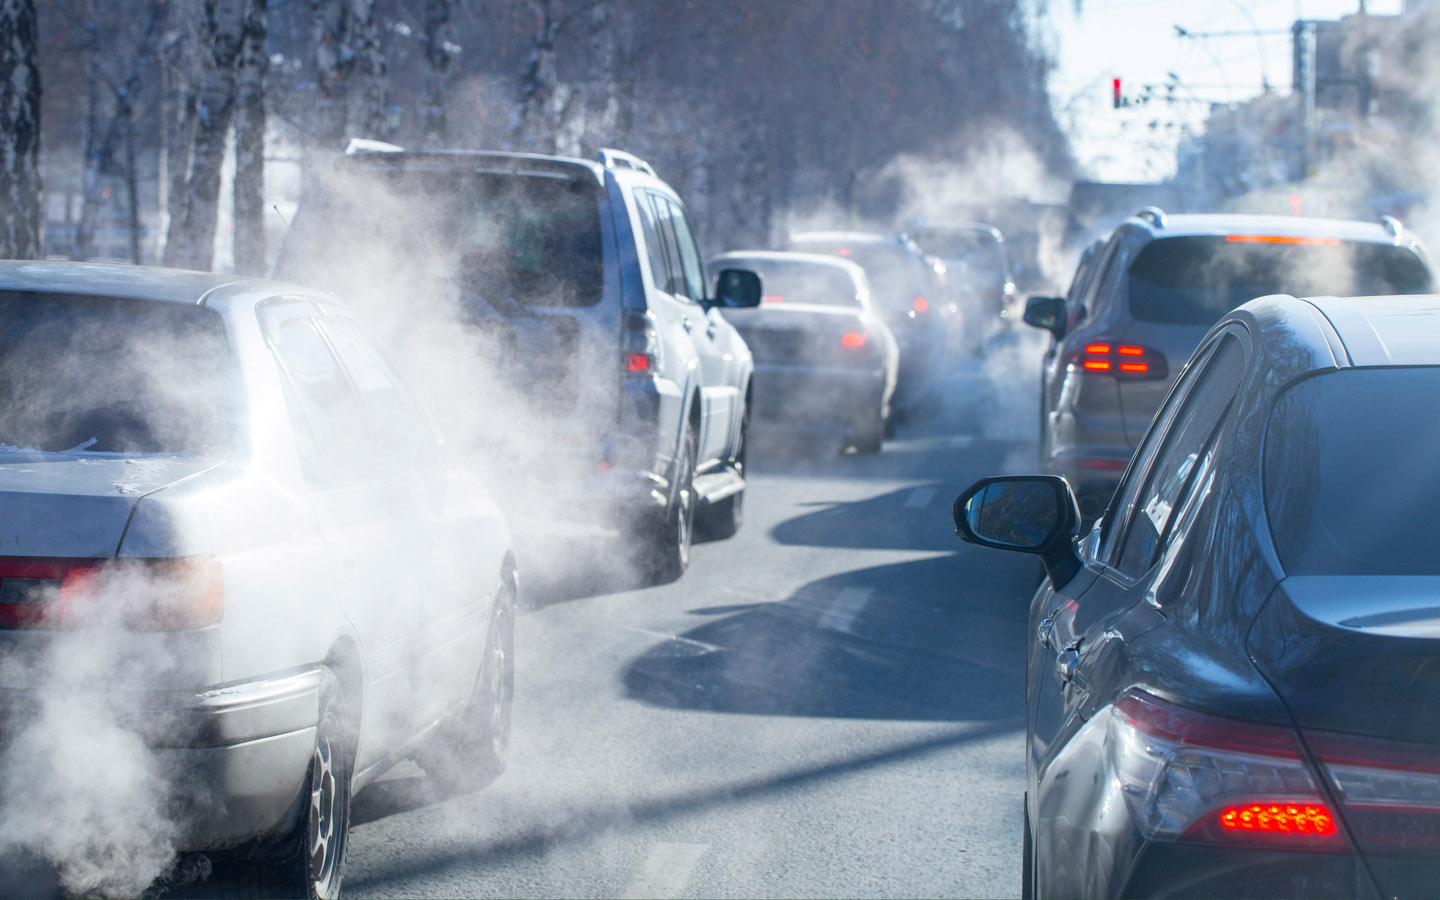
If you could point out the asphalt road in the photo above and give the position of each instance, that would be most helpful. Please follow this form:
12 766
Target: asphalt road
830 703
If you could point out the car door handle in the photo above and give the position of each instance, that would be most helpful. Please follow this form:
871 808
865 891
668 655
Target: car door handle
1046 629
1066 663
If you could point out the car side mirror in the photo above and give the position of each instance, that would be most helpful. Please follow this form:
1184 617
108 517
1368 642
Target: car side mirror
1047 313
737 289
1035 514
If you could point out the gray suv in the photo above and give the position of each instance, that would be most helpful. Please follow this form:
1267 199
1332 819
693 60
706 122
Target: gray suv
1142 300
626 392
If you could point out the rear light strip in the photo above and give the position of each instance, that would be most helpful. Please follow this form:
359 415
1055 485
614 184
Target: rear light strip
141 595
1127 360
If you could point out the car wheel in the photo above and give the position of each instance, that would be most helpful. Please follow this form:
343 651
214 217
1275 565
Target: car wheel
471 752
309 861
1027 856
665 550
871 435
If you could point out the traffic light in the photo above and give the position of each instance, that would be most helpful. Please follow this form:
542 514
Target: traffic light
1115 87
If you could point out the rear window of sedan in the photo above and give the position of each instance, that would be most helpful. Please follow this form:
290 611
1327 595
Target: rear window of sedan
1196 280
896 275
117 375
785 282
1351 483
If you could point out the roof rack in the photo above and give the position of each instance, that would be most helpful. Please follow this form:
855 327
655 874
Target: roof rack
1392 225
615 159
367 145
1152 214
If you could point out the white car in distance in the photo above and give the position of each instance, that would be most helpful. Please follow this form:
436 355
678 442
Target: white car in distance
233 539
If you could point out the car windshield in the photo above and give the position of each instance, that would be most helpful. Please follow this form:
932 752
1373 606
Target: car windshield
526 238
789 282
1351 485
895 274
1196 280
971 255
102 374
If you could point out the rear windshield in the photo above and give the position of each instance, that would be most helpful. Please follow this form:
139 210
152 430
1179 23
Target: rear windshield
529 239
895 274
1196 280
1351 482
973 256
788 282
101 374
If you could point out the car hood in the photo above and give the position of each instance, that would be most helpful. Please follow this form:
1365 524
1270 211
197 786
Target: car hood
78 504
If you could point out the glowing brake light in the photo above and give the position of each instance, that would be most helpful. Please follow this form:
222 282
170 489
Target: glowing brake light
844 251
1276 818
774 298
853 339
1123 360
921 304
637 362
1280 239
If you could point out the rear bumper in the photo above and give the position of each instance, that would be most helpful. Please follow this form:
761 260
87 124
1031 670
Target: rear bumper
232 760
815 399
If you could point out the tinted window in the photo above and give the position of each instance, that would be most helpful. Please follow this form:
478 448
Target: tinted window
788 282
1351 480
532 239
1196 280
114 375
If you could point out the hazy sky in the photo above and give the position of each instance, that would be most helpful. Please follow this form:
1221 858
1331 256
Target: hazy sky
1136 41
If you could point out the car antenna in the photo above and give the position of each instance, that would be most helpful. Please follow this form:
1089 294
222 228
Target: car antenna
299 245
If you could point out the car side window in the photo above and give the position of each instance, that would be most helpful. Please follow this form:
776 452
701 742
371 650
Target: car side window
1186 439
1096 291
654 246
338 431
689 255
675 264
401 429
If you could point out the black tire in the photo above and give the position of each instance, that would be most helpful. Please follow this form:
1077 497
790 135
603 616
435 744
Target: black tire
1027 856
309 861
470 752
891 423
663 542
871 436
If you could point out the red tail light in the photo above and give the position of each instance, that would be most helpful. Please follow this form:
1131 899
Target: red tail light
773 298
853 339
640 347
1192 776
1125 360
1389 791
142 595
922 305
638 362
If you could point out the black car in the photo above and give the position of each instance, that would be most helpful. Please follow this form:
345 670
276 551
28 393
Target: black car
1232 678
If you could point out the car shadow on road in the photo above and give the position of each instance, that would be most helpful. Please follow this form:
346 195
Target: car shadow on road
862 644
911 518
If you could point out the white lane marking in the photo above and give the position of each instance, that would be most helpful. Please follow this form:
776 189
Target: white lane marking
960 440
671 637
920 498
847 606
666 871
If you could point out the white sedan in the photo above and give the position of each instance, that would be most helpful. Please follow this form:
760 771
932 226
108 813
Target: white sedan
240 575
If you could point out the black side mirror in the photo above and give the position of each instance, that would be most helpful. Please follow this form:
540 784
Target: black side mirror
1034 514
737 289
1047 313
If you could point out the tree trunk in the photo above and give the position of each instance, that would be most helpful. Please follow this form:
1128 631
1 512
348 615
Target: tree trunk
334 61
373 112
21 219
250 145
191 243
437 77
530 128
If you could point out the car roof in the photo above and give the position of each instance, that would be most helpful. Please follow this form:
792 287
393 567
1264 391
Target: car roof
991 230
476 161
847 237
140 282
1204 224
788 256
1386 331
